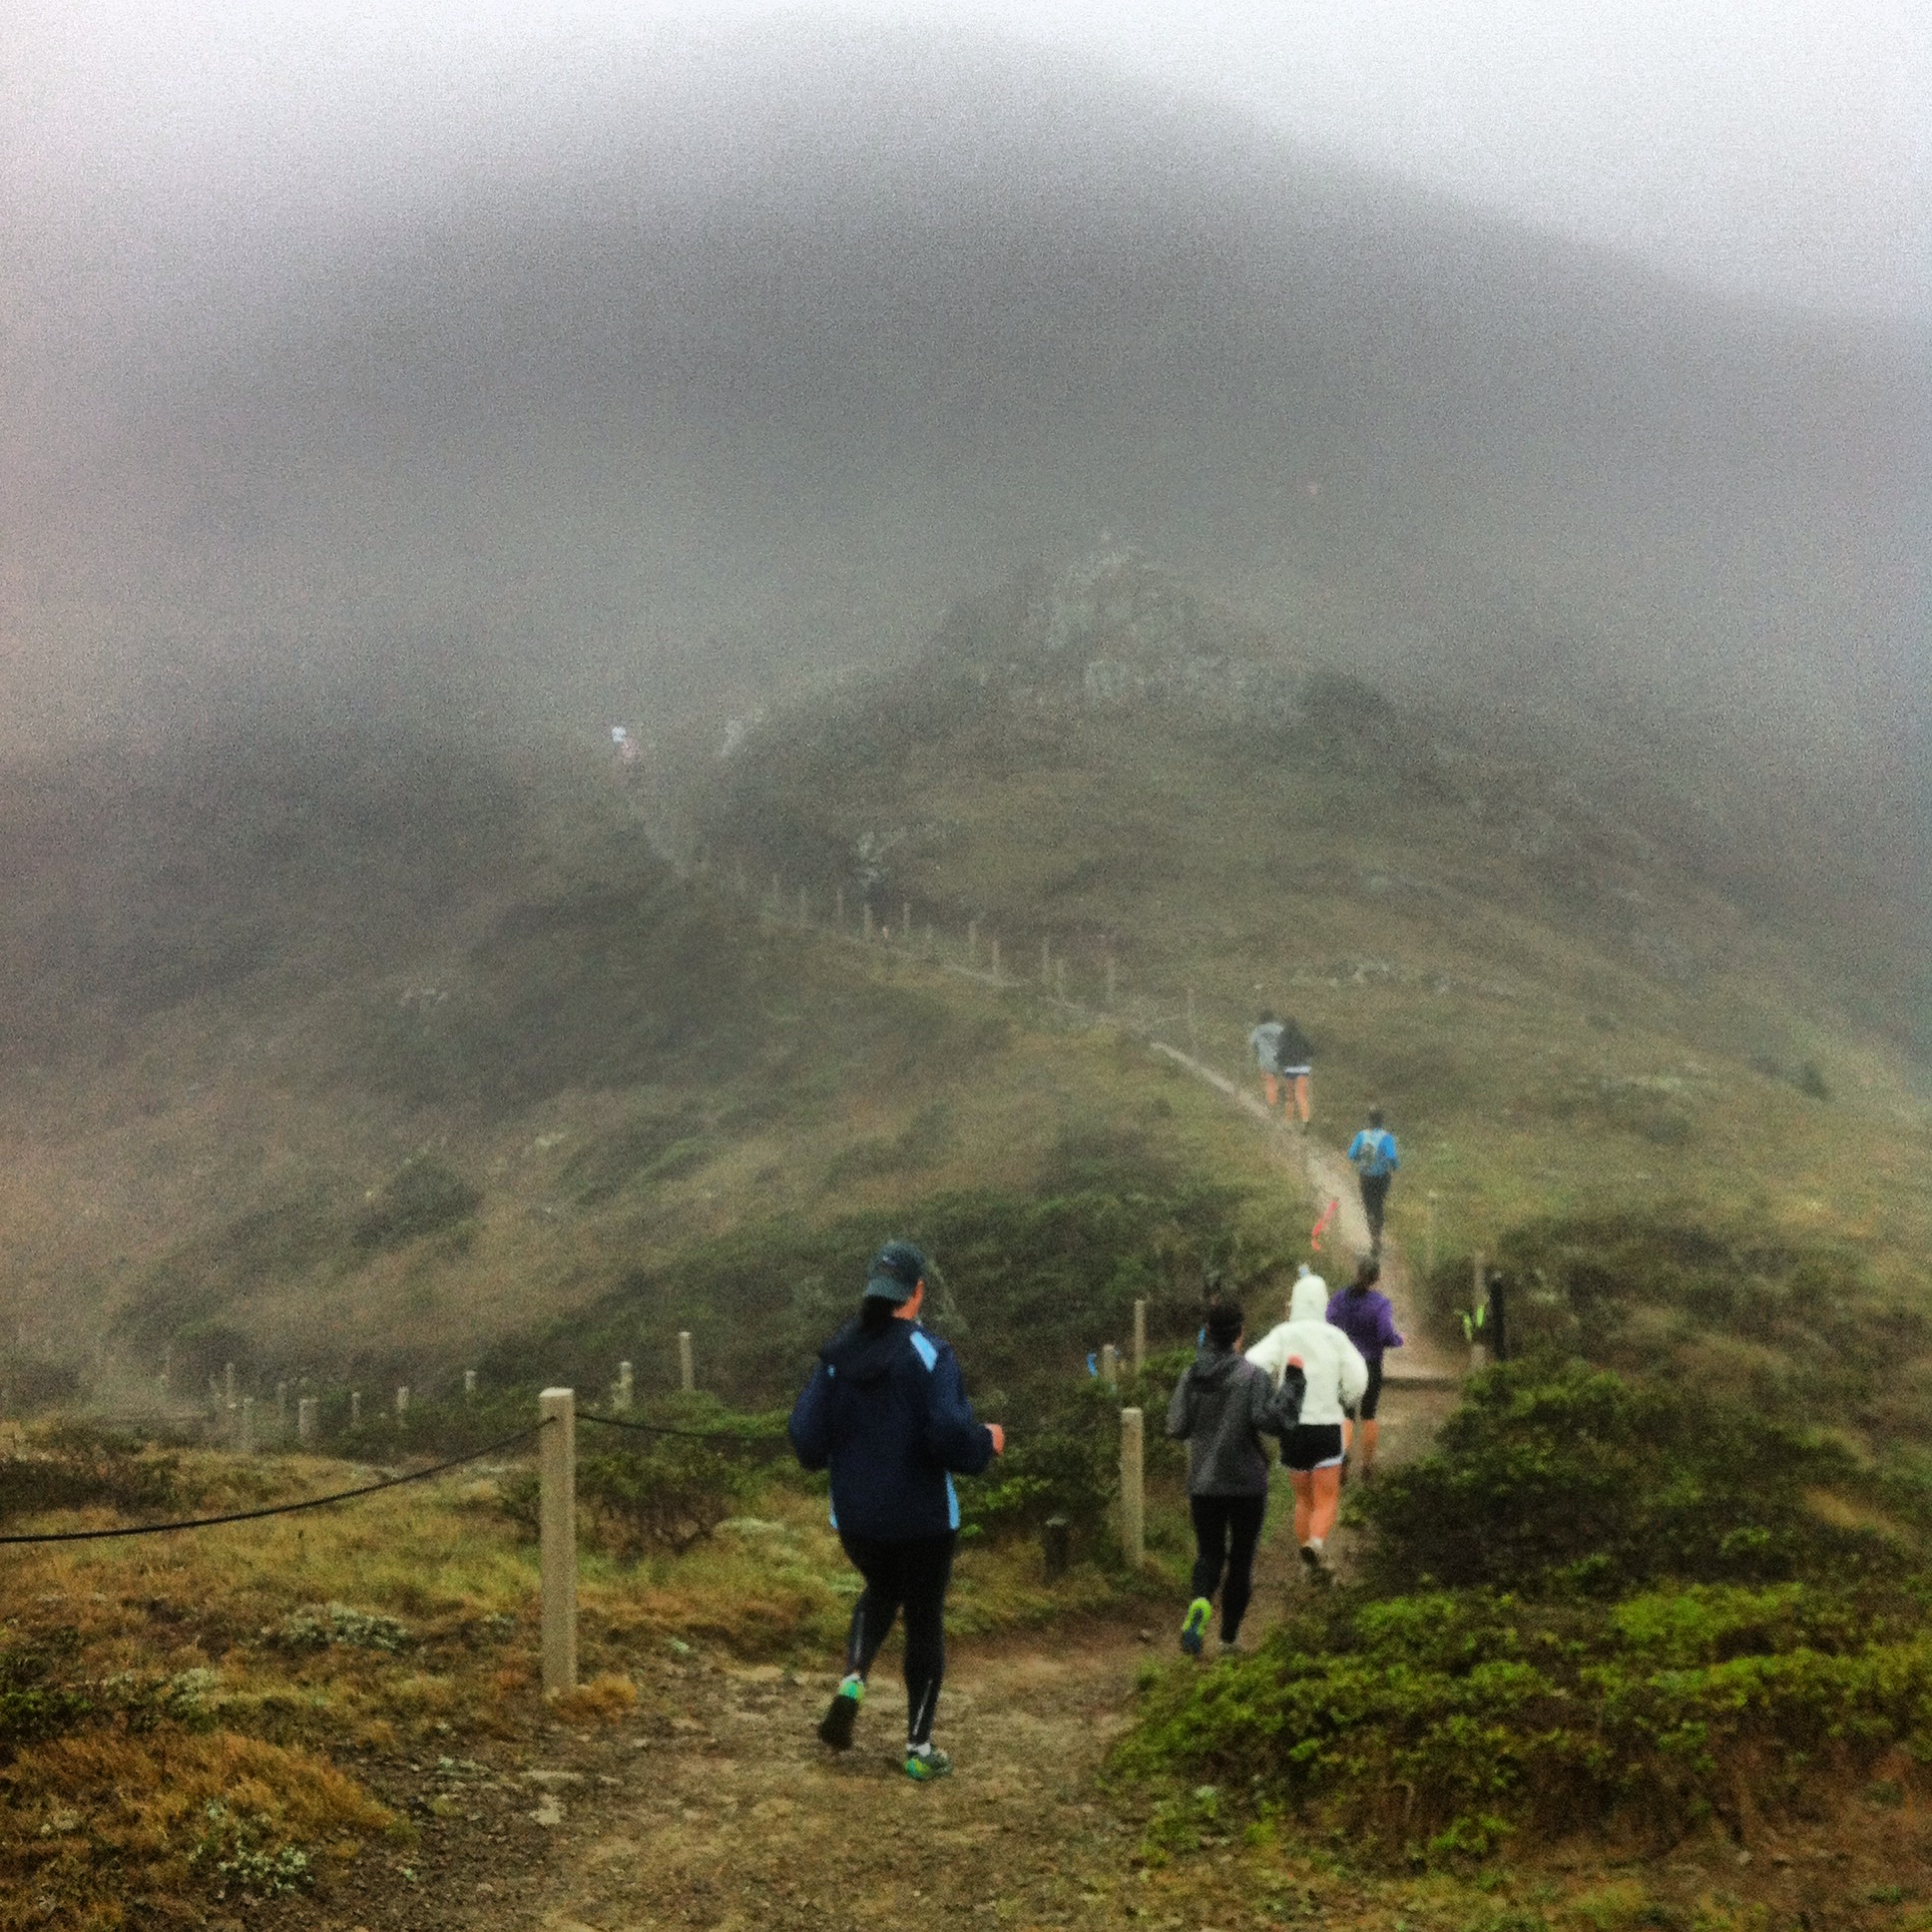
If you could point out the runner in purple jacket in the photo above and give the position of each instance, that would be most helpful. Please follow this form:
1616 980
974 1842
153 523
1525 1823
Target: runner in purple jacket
1364 1315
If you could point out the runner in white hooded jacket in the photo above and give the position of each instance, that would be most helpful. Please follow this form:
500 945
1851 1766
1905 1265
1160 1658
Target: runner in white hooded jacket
1337 1379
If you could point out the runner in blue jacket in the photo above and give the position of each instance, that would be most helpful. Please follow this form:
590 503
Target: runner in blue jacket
885 1411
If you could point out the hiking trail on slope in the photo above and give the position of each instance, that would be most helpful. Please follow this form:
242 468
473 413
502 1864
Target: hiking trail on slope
731 1815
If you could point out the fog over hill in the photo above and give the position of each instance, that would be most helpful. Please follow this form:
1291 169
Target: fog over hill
742 372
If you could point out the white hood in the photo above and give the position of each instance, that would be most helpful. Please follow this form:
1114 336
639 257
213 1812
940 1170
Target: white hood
1336 1373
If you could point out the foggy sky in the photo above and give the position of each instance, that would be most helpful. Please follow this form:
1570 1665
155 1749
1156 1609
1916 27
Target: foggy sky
1778 148
411 334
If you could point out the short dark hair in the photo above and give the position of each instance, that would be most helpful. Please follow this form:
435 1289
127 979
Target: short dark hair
1368 1270
1267 1019
1374 1116
1224 1324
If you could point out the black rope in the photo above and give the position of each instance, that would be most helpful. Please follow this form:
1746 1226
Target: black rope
686 1435
284 1509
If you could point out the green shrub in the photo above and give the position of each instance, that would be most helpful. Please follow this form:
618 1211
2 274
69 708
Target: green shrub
1432 1726
77 1468
1571 1480
421 1198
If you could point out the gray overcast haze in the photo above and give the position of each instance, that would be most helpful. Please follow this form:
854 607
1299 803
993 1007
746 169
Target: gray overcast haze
632 355
1777 147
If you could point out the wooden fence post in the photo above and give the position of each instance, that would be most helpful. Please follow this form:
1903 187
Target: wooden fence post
402 1402
686 1368
1478 1295
1133 1491
1139 1338
306 1407
469 1385
355 1408
1110 1365
621 1395
557 1536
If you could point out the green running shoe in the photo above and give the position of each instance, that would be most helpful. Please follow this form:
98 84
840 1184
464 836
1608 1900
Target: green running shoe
836 1726
923 1766
1194 1626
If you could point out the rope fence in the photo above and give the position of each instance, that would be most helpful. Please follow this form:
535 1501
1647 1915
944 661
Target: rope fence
281 1509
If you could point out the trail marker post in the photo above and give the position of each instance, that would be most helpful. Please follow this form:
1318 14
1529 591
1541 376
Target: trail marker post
306 1407
402 1402
1478 1297
687 1367
557 1536
1110 1365
1139 1338
1133 1490
621 1395
469 1385
355 1408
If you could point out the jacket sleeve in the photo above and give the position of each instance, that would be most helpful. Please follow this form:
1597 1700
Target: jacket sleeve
1354 1372
954 1434
1355 1147
811 1427
1271 1352
1389 1153
1391 1336
1180 1407
1285 1405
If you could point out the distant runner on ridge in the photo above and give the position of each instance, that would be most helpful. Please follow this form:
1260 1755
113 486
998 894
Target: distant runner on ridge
1265 1044
887 1412
1375 1158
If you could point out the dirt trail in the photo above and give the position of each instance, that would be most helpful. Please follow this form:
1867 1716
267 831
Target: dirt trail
730 1815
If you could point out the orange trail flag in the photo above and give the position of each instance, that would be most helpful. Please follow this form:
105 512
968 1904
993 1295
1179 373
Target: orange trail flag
1321 1228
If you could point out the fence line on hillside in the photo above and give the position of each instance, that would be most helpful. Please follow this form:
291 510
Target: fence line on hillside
556 1435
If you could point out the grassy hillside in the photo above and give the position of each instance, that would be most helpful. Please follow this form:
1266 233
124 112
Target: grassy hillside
358 1059
1563 993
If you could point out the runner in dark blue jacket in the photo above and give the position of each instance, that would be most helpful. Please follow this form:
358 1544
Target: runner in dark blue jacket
885 1411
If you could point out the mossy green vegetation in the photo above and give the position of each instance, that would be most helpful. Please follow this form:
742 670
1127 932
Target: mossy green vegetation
1626 1603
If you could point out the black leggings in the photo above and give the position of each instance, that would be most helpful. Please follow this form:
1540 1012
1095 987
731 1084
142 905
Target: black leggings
1375 1188
1227 1529
912 1574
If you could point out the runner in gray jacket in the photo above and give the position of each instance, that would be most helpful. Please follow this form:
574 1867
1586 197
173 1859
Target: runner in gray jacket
1222 1408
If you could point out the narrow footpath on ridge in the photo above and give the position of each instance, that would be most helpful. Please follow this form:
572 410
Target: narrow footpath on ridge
731 1815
